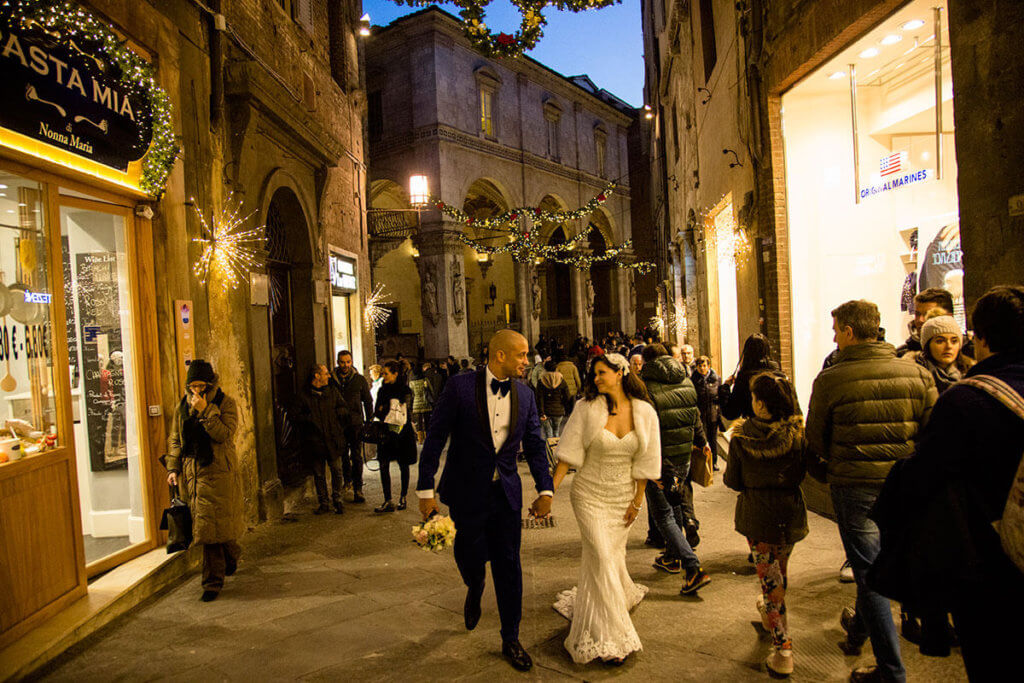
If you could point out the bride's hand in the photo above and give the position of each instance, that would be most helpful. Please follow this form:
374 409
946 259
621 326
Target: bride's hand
631 515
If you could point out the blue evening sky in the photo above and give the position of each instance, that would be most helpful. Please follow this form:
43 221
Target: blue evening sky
605 44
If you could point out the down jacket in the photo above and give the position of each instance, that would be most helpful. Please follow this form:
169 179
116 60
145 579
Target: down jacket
213 492
766 465
553 397
675 401
867 412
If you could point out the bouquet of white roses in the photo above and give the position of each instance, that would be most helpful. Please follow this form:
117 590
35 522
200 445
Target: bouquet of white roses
436 534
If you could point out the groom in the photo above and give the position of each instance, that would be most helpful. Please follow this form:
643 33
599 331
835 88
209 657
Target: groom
488 414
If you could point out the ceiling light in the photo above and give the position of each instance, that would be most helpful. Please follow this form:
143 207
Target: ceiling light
891 39
911 25
869 53
837 75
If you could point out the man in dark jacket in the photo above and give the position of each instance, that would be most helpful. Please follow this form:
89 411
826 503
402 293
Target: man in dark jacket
978 582
705 381
924 302
355 391
675 401
865 413
320 415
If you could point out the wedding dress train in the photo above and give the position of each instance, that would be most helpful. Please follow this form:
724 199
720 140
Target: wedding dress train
599 605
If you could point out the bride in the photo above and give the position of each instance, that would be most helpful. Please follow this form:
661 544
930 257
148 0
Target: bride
612 440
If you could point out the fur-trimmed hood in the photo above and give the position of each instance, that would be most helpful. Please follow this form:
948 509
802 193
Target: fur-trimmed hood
763 439
551 379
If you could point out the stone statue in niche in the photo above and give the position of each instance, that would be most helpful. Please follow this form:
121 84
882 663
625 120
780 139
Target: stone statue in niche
535 289
429 294
632 293
590 297
458 291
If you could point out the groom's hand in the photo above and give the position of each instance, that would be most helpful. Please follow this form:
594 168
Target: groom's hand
541 507
428 506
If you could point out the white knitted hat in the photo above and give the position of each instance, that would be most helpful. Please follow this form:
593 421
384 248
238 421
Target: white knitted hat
942 324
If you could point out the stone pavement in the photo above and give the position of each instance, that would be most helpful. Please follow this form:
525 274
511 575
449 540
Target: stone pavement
351 597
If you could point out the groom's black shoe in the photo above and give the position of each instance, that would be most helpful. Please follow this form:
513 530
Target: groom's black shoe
471 610
516 655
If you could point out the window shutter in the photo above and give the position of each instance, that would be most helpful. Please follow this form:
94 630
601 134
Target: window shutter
303 11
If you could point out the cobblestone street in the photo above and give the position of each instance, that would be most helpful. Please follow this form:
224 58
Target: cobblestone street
351 597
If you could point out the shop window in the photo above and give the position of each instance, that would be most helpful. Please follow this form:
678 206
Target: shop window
29 416
707 38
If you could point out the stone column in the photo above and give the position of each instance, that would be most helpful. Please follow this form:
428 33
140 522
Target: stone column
582 302
528 301
443 278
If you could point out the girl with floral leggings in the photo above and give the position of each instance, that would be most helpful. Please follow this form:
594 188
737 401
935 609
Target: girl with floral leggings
766 465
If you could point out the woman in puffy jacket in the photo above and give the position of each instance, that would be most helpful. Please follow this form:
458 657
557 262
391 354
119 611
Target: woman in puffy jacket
553 399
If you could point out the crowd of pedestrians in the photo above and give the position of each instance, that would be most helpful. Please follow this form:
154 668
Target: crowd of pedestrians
919 446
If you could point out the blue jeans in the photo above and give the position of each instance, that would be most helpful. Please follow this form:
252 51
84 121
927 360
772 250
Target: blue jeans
552 427
861 542
676 546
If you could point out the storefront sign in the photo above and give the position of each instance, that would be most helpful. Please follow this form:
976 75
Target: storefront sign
64 93
894 183
343 275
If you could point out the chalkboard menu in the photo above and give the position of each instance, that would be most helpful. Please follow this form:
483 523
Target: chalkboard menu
102 359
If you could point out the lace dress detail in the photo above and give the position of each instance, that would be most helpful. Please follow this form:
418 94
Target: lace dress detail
599 605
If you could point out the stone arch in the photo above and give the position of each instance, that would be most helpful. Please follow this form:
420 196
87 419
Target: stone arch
395 264
387 194
552 202
279 179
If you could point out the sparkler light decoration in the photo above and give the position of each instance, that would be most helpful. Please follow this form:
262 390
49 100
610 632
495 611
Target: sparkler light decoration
229 251
374 312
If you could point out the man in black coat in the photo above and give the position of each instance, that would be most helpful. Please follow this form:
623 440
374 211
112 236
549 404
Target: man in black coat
355 391
967 459
320 414
705 381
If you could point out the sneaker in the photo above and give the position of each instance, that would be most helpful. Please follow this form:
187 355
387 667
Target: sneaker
665 564
323 509
357 497
387 506
692 537
846 573
780 661
763 611
695 580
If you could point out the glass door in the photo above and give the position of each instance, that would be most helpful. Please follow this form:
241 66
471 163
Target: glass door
103 367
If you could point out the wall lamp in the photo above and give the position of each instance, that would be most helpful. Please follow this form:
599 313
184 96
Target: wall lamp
364 25
492 293
648 112
419 190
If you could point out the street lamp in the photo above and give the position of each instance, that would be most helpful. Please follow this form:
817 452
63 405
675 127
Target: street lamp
364 25
648 112
419 190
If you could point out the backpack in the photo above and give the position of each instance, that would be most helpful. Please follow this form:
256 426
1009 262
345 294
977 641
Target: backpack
1011 526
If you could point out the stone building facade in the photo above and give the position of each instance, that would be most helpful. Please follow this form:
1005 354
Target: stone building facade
802 161
490 135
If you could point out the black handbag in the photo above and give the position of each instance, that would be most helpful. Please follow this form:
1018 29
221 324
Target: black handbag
177 522
375 432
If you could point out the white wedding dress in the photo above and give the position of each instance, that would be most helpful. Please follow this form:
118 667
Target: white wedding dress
599 605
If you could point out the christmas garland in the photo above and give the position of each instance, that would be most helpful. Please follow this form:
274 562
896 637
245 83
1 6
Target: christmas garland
524 246
530 27
71 22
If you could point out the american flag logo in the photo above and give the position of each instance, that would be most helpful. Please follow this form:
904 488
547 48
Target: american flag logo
894 163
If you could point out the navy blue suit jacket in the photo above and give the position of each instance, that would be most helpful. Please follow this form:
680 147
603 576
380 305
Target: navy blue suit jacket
461 413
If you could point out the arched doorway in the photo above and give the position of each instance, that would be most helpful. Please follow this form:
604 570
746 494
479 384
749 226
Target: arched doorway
490 279
559 317
396 266
290 315
605 316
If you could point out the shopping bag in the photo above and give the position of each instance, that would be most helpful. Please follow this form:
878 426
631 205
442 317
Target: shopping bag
177 522
702 470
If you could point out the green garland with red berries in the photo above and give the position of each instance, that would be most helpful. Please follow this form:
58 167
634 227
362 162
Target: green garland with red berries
531 27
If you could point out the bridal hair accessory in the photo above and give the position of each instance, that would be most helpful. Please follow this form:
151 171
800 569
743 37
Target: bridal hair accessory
619 361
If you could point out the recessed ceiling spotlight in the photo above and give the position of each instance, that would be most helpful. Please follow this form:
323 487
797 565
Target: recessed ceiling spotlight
891 39
913 24
837 75
869 53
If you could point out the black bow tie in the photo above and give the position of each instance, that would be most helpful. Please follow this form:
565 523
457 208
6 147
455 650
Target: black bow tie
501 388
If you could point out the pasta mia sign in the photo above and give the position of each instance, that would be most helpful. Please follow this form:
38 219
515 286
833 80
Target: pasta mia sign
64 91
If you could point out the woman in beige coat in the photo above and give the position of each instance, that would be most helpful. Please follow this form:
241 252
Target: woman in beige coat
201 458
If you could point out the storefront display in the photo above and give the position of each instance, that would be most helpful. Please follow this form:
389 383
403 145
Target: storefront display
871 191
345 314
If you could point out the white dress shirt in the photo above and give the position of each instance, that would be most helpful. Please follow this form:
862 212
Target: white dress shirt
499 416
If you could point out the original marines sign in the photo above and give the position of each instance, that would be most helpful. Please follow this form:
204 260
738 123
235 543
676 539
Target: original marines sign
58 91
